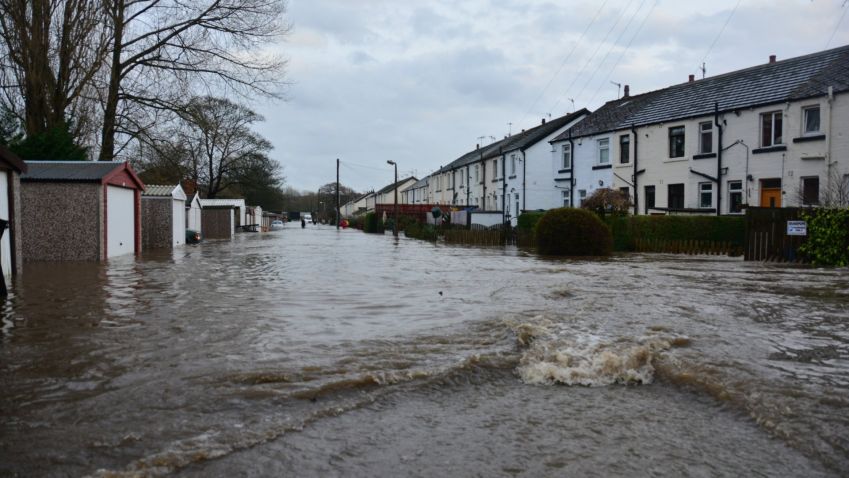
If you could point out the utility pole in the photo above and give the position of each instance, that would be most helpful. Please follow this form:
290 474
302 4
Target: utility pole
337 194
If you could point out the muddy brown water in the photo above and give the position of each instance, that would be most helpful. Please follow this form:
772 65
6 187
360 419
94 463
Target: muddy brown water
316 352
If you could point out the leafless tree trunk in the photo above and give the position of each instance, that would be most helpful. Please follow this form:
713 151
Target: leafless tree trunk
50 51
166 50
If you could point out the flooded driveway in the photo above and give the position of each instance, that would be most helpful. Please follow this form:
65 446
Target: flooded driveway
317 352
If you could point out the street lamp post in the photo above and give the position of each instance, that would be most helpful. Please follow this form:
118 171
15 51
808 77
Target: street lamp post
395 223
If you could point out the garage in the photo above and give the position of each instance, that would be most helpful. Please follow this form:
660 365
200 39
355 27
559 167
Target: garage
163 217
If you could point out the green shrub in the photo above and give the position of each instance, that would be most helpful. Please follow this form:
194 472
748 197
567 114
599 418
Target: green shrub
528 220
417 230
627 230
373 224
573 232
828 237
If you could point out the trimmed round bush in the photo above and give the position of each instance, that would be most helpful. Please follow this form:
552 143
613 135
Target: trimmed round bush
573 232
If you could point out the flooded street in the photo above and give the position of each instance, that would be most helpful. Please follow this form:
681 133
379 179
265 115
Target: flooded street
316 352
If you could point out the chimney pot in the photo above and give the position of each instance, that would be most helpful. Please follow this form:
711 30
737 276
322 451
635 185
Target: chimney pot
543 121
627 91
692 78
478 146
772 58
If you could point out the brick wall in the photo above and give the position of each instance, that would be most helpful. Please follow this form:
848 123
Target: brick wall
62 221
156 223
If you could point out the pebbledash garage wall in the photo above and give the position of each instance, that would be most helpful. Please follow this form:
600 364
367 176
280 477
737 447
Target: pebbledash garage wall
80 210
163 217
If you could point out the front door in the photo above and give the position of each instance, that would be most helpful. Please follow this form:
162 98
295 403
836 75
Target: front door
771 193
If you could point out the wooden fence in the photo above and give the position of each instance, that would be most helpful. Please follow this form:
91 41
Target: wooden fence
477 237
687 247
766 234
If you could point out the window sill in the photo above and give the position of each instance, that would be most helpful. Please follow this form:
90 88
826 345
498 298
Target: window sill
624 165
704 155
813 137
567 170
770 149
675 160
511 177
496 180
557 180
602 166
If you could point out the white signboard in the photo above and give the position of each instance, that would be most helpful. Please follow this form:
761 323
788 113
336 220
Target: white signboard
797 228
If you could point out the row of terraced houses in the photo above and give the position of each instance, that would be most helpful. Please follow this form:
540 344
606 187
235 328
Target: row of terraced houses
772 135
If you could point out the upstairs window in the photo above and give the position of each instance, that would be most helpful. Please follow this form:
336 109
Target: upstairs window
676 142
624 149
512 165
771 128
811 120
604 151
566 156
462 178
706 137
477 173
494 169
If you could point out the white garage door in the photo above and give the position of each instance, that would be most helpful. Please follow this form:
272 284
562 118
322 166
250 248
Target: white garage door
120 221
179 221
5 248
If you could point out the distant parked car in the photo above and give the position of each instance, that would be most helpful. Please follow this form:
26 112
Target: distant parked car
192 236
307 217
276 225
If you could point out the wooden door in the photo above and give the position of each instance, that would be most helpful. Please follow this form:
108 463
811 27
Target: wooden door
771 197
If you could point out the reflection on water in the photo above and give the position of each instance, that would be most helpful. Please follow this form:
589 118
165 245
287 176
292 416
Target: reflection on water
272 352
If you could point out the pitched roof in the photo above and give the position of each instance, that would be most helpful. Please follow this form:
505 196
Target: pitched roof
213 203
399 183
12 160
159 190
82 171
421 183
771 83
521 140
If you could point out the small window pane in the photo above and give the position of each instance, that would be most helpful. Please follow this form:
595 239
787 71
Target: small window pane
567 156
676 142
705 195
624 149
766 130
811 190
812 120
603 151
777 134
706 138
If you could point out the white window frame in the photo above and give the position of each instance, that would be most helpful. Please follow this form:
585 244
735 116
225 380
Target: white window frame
735 190
772 136
683 130
705 188
495 168
603 146
805 111
477 173
626 149
566 197
582 194
566 156
702 133
513 164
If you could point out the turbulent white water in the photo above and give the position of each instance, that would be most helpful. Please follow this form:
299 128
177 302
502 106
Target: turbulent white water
313 352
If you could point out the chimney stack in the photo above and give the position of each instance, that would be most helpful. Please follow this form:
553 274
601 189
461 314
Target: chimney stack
692 78
772 58
478 146
543 121
627 91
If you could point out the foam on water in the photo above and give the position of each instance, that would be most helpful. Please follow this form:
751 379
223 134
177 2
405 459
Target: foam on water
555 355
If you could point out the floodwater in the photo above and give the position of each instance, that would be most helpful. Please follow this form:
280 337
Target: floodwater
316 352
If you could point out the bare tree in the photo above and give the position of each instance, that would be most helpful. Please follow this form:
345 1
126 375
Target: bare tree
50 51
833 194
213 145
164 50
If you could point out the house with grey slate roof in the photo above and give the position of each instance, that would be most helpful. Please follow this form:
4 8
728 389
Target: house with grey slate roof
80 210
163 216
508 176
771 135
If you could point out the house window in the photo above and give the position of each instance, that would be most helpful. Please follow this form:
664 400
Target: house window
566 156
477 173
811 191
705 195
811 123
676 142
494 169
624 149
626 193
517 203
512 165
649 194
675 196
771 129
604 151
706 137
582 194
735 196
566 196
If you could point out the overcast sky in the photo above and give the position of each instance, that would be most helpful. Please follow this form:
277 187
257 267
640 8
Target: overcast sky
419 82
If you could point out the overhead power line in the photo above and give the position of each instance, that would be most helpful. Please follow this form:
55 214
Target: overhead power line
836 27
727 20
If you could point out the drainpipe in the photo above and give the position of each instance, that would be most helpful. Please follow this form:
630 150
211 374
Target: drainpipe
830 102
718 159
503 186
483 176
524 175
468 186
634 179
572 167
